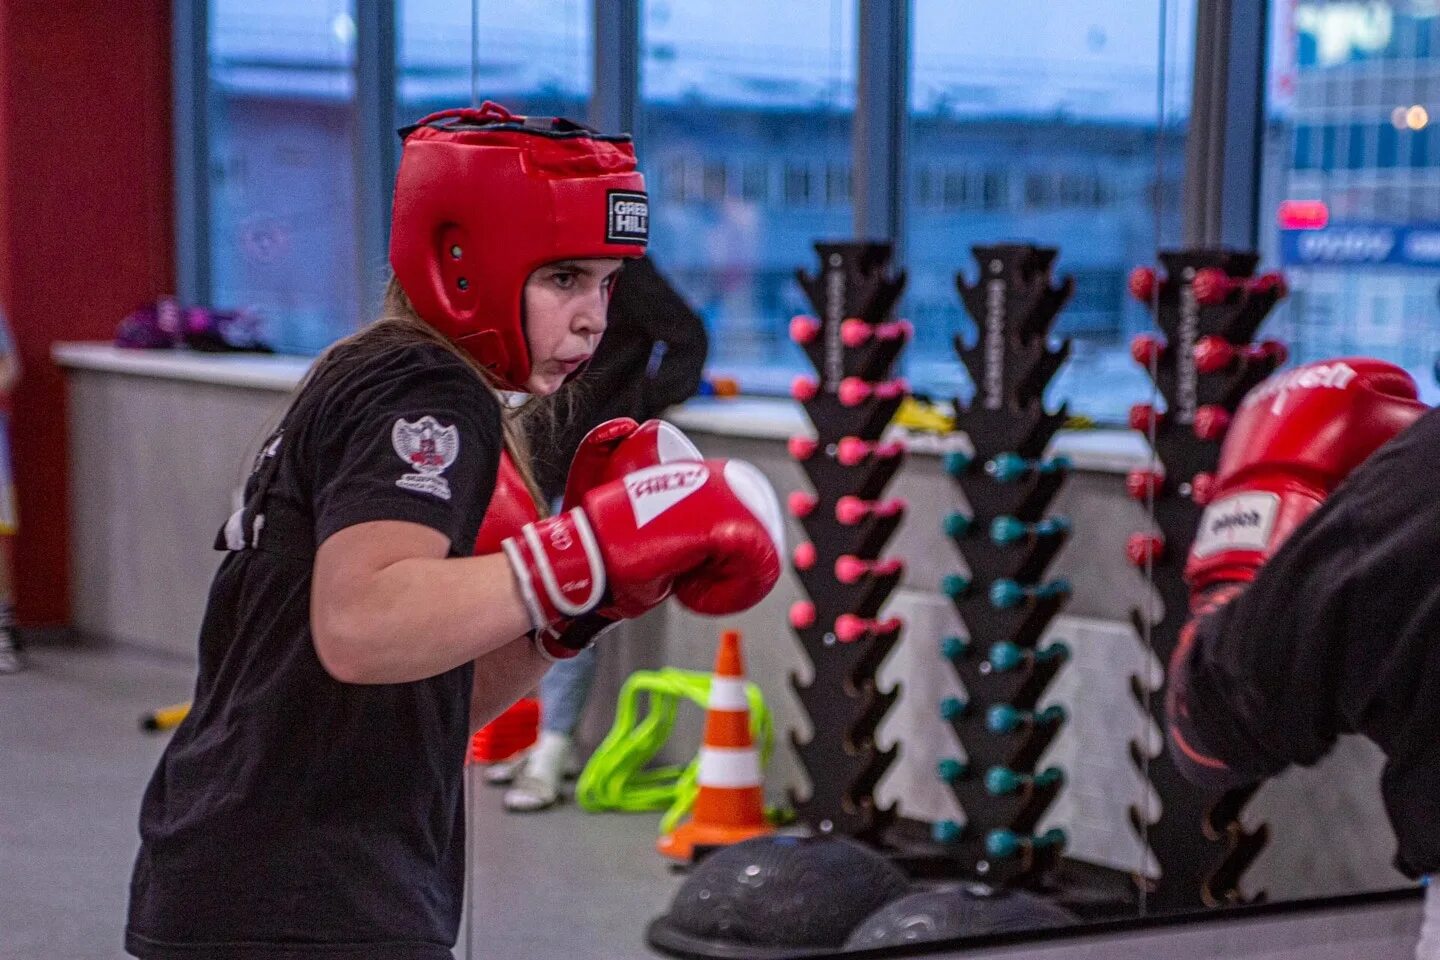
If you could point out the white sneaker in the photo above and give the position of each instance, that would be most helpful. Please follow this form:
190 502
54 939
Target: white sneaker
502 773
537 783
532 793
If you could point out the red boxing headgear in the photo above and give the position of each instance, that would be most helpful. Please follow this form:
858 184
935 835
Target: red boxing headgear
485 197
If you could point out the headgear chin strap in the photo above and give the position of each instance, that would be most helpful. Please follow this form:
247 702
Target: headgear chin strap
483 198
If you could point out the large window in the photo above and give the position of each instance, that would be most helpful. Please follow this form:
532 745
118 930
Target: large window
1351 181
745 138
1055 124
1058 124
534 56
282 187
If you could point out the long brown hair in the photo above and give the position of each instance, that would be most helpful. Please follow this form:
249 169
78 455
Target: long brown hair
398 325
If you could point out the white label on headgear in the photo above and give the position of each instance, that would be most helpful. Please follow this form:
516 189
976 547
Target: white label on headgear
1241 522
629 220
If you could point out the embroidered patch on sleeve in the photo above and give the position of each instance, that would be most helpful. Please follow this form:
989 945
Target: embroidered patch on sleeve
428 449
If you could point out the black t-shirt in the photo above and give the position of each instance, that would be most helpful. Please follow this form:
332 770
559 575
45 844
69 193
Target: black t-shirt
1340 633
291 814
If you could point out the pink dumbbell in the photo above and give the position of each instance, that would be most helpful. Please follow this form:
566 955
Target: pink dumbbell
855 333
1142 484
802 615
1146 349
1143 548
804 329
1212 285
804 556
1143 417
804 389
851 451
1202 488
885 451
1211 422
1213 354
1270 350
850 569
895 330
850 510
849 628
1142 284
802 448
853 391
801 504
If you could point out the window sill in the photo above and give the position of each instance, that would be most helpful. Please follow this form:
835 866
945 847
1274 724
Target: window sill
762 418
1107 450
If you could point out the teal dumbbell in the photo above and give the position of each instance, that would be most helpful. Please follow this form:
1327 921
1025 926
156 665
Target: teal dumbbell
1011 467
1007 593
1004 718
957 463
1000 781
1006 656
1007 530
955 586
1004 844
951 770
945 831
955 648
952 708
957 525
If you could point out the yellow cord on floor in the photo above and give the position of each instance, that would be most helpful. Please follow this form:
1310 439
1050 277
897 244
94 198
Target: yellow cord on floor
616 777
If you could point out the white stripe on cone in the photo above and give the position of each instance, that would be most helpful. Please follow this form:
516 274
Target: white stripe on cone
728 693
729 767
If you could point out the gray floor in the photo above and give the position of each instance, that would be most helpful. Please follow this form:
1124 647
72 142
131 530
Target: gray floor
73 764
556 885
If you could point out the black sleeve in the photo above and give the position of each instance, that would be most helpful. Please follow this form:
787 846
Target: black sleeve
1337 634
415 440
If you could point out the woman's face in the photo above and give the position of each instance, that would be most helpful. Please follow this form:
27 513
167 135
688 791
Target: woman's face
565 306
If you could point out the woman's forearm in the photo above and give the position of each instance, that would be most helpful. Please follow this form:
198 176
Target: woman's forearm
419 617
503 676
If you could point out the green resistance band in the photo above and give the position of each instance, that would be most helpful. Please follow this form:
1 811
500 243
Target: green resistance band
616 777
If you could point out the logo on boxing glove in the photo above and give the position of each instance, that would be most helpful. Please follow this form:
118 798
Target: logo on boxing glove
1242 522
1335 376
654 490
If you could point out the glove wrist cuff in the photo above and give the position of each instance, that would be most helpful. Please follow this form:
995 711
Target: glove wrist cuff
557 566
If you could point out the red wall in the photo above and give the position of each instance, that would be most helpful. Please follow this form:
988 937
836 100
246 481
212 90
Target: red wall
86 228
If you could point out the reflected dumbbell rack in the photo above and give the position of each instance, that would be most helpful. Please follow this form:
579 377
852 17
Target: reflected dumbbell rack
1208 306
1005 600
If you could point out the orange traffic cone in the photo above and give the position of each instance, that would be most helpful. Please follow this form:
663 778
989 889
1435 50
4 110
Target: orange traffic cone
731 805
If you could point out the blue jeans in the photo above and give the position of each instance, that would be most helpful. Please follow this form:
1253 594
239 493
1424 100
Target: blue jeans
564 690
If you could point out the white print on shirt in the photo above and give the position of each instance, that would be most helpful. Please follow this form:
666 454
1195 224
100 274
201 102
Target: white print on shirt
429 449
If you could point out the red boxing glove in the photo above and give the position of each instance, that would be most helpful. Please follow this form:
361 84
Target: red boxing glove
622 446
710 531
1294 438
511 507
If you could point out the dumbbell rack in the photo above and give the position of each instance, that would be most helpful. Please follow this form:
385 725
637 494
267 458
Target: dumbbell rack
1004 603
853 342
1208 305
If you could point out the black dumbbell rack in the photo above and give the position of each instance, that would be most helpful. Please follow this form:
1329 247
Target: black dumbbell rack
853 342
1208 305
1005 602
